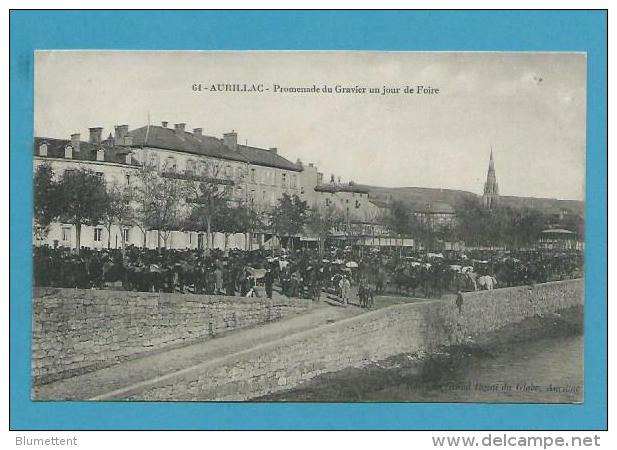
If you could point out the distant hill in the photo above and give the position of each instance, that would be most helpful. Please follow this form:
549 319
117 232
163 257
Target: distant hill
420 196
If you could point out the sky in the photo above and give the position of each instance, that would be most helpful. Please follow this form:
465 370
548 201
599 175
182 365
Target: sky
529 108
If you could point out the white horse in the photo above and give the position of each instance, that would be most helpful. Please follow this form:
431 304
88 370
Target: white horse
487 282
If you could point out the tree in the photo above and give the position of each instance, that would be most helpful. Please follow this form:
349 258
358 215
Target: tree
161 203
209 200
398 221
232 220
289 216
45 197
499 226
119 211
81 199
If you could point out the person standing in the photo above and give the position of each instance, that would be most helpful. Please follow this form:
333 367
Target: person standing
269 281
218 278
345 287
459 301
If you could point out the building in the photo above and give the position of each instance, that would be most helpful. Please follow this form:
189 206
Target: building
351 200
559 239
436 215
491 188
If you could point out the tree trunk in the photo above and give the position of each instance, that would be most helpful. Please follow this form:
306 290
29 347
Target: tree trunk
158 240
122 240
166 235
109 238
145 233
77 237
208 233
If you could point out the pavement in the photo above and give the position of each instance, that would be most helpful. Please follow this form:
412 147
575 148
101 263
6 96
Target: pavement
160 363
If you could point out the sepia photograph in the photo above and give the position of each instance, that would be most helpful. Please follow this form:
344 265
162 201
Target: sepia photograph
308 226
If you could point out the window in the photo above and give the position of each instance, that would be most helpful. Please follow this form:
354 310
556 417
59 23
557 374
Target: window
170 164
190 167
127 234
252 175
293 181
153 161
43 149
228 171
66 234
98 234
357 204
283 180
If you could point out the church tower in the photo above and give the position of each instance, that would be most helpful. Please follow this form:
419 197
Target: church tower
491 188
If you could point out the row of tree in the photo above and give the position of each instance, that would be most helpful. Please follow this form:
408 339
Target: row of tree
500 226
166 203
154 202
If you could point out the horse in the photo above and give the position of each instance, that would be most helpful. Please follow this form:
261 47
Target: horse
487 282
365 295
406 277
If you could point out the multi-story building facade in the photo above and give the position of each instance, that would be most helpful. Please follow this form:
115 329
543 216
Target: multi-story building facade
254 176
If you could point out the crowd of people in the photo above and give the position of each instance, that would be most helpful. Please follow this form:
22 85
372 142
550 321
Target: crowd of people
300 273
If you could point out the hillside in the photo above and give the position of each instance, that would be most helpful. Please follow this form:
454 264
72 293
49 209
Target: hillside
427 196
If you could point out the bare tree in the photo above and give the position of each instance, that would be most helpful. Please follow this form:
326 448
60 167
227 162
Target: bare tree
161 203
120 211
321 222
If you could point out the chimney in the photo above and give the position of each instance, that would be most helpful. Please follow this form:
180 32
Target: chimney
231 140
274 150
164 123
100 154
197 131
75 141
95 135
179 129
121 132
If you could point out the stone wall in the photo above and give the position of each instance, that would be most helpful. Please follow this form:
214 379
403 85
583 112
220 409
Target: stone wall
77 331
370 337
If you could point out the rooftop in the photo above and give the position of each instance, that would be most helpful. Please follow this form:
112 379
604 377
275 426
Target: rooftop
87 151
332 188
168 139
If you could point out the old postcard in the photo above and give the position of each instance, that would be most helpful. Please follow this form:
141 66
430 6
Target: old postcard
308 226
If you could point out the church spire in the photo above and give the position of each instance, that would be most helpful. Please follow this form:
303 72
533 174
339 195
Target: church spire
491 188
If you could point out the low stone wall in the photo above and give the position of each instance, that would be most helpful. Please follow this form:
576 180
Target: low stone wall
370 337
77 331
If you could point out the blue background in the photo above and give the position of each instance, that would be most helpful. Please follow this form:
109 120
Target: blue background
357 30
